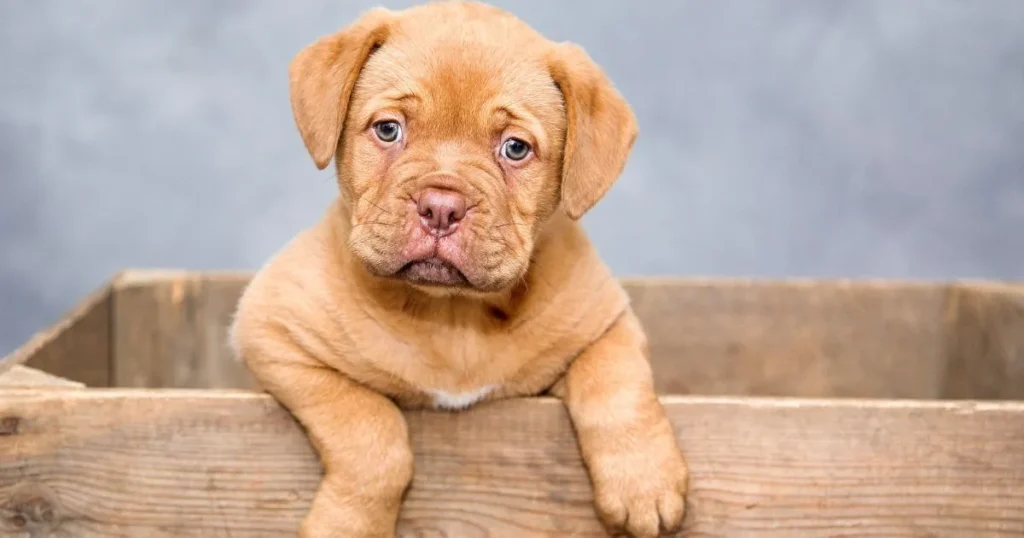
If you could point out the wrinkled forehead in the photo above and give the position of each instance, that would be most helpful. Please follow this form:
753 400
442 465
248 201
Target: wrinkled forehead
467 77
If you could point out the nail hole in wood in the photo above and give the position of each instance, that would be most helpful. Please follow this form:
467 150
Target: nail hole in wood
9 425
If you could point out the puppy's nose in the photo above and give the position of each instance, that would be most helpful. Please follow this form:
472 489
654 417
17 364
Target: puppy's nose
441 209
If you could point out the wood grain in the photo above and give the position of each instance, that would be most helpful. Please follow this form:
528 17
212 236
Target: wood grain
812 338
794 338
985 343
708 336
23 376
172 331
219 464
76 347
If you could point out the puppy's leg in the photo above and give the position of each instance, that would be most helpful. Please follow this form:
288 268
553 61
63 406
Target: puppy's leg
363 443
637 470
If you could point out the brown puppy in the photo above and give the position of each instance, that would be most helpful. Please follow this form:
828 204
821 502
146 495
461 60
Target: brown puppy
451 269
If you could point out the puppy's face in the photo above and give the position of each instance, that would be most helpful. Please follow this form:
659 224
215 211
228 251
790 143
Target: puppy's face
451 157
457 131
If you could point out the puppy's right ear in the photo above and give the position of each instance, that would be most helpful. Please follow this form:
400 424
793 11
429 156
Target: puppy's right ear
322 76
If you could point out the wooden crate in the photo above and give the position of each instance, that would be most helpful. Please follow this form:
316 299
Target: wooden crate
805 408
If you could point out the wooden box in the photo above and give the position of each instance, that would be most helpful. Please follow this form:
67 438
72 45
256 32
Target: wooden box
805 408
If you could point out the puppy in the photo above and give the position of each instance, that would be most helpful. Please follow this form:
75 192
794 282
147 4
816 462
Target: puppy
451 269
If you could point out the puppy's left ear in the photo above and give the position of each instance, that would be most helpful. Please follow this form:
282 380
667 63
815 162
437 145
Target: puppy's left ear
601 129
322 76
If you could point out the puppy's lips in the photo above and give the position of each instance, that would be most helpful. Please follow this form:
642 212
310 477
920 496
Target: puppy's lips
433 271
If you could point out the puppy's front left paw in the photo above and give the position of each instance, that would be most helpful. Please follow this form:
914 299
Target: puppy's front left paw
641 492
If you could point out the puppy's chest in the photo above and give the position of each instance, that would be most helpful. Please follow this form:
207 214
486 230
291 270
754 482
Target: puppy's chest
459 399
465 369
459 373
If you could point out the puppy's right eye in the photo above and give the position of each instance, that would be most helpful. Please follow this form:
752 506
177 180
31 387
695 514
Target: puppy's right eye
387 131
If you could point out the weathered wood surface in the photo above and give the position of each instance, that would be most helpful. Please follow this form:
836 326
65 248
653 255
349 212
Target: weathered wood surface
794 338
171 330
985 343
23 376
197 463
76 347
711 337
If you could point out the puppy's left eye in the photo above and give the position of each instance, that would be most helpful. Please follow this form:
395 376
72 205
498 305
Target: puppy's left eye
387 131
515 150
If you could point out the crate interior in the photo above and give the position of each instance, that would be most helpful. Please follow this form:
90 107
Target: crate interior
707 337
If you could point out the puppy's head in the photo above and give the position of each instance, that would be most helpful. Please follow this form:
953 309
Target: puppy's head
457 131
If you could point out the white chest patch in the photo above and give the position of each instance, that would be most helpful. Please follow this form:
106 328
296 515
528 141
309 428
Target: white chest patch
459 400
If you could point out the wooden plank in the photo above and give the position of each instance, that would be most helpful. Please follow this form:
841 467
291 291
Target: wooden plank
171 330
76 347
712 337
794 338
708 336
211 463
23 376
985 342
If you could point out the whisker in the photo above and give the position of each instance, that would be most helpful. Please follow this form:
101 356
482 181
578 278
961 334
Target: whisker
368 242
376 222
364 197
504 241
496 232
502 225
382 210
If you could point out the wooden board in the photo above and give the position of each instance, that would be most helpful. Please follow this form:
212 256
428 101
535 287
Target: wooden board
794 338
97 463
171 330
985 343
708 336
23 376
809 338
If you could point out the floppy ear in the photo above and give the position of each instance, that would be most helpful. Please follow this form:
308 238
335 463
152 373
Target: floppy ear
601 129
321 79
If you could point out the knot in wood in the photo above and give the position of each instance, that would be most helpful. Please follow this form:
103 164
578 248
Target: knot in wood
30 508
9 425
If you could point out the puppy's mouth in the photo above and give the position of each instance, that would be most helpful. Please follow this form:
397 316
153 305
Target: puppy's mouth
433 271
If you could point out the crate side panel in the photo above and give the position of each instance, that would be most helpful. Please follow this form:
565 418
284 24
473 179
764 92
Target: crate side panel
809 339
173 333
985 343
816 339
174 463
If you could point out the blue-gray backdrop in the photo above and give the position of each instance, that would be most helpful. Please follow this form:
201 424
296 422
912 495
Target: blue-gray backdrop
822 138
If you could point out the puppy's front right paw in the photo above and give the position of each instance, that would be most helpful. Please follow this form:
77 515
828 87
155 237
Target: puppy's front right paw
641 492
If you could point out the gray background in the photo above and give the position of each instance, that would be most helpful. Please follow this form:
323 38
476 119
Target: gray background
778 138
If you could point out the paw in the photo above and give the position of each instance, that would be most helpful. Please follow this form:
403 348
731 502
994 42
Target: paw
641 492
